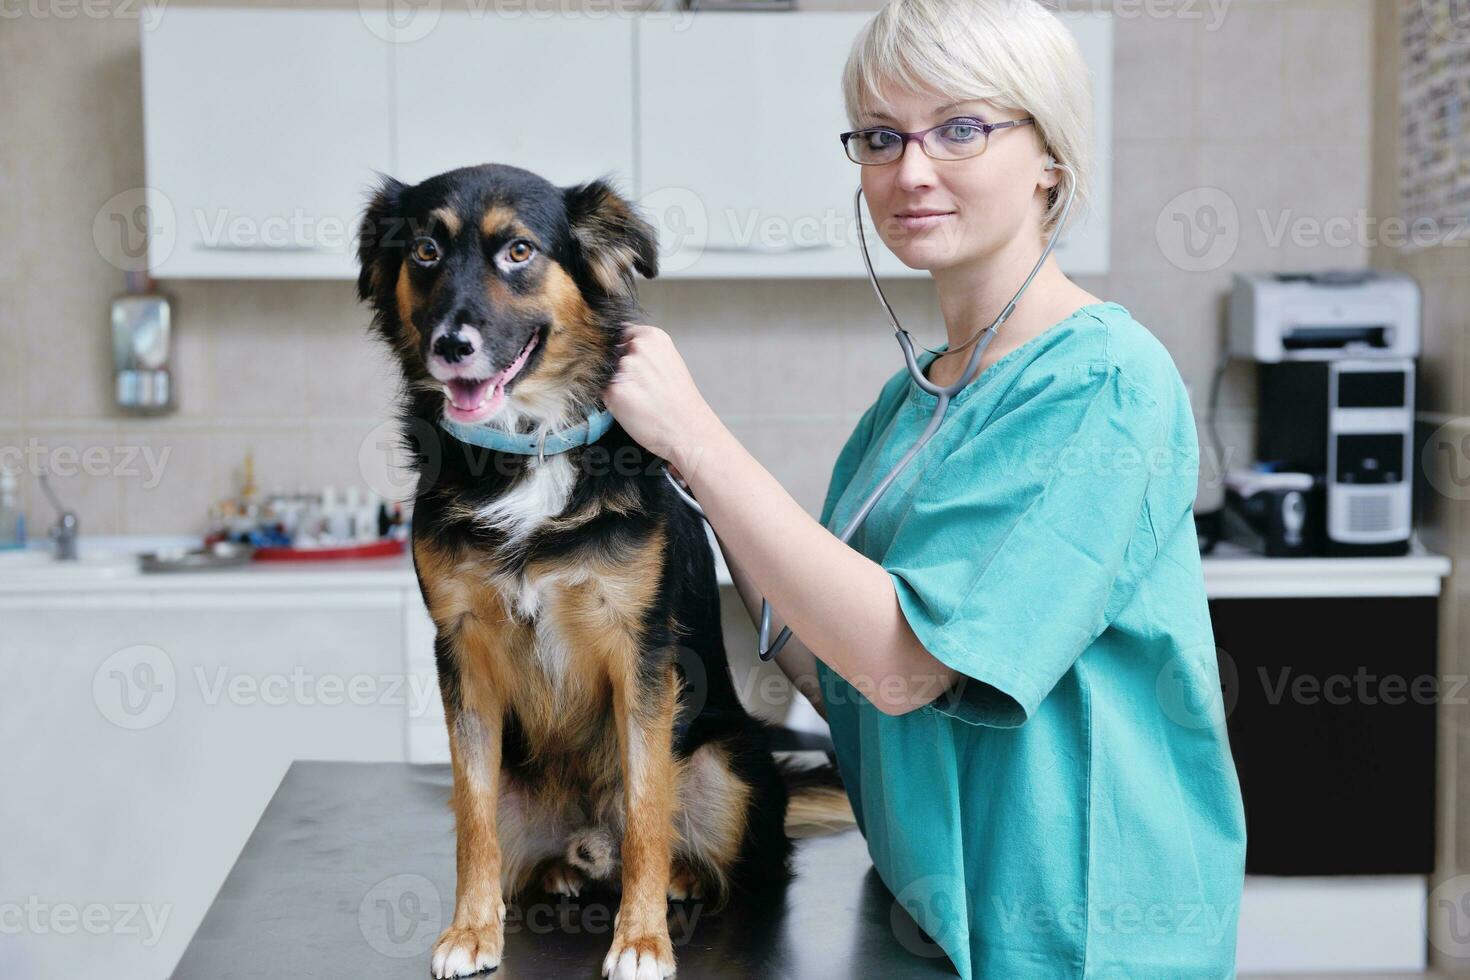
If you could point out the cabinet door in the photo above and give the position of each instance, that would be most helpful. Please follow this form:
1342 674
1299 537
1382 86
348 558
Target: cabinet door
148 731
264 127
1331 707
740 164
550 95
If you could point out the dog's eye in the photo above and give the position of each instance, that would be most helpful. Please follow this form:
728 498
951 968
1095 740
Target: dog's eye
518 252
425 251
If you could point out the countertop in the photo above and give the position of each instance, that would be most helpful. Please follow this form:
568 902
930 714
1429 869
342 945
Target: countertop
350 873
109 565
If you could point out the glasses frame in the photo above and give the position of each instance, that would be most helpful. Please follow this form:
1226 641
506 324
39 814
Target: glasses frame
985 127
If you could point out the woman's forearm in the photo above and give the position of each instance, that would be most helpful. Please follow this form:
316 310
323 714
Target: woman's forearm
840 602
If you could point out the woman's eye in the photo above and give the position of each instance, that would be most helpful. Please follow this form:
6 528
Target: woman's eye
879 138
519 252
425 251
960 132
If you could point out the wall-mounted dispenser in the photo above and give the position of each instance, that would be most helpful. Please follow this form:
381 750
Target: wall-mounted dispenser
142 346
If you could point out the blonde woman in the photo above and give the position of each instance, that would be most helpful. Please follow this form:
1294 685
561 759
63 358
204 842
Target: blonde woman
1015 656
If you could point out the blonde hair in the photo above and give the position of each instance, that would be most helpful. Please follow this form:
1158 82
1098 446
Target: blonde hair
1015 54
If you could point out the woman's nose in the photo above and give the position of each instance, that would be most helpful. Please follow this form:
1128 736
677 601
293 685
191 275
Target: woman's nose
915 169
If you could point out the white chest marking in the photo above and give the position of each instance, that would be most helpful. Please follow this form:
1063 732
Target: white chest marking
541 493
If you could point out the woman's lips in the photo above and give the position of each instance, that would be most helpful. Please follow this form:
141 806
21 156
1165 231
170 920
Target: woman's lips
474 399
920 222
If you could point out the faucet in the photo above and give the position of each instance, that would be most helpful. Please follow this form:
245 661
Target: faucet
64 532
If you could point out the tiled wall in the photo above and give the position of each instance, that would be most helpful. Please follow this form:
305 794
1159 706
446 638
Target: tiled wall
1270 102
1443 274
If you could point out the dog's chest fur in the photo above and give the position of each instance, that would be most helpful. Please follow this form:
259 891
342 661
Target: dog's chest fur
553 619
540 494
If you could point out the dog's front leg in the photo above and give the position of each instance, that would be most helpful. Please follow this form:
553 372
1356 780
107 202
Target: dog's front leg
644 715
475 939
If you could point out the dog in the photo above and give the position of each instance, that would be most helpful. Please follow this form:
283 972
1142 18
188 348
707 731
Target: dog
595 733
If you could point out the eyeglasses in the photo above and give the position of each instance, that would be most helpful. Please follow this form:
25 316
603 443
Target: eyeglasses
953 139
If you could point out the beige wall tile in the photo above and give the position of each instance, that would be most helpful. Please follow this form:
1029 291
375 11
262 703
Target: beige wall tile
1156 63
179 481
1242 74
1318 39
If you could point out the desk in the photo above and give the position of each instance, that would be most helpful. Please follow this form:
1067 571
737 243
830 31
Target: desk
350 873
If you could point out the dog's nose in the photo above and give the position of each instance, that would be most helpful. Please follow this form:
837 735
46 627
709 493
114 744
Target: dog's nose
456 343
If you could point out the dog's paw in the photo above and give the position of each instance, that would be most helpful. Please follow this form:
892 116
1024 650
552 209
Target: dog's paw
683 885
593 852
465 950
563 879
639 957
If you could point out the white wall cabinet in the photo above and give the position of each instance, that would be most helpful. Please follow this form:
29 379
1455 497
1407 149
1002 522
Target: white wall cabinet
740 165
262 129
481 89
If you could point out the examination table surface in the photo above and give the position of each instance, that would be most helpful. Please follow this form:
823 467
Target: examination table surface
350 873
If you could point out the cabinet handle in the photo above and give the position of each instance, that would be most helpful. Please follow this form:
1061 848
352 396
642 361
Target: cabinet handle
768 249
260 247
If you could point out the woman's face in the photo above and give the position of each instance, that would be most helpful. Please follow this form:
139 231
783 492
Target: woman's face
983 202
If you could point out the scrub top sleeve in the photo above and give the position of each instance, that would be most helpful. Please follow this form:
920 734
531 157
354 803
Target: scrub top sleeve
1030 530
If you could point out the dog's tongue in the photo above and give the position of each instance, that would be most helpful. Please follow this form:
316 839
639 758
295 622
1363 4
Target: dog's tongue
466 395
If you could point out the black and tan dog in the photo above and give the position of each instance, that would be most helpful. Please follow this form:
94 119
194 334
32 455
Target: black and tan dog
594 726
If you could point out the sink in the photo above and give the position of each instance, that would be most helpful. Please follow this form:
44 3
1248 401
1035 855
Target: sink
100 556
32 562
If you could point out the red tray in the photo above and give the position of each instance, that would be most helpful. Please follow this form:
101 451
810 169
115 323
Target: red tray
375 549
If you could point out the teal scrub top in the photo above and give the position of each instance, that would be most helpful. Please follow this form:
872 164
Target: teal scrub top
1069 808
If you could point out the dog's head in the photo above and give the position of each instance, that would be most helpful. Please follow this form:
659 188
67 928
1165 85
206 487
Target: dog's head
503 292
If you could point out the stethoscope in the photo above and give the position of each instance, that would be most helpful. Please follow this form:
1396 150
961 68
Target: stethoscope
943 392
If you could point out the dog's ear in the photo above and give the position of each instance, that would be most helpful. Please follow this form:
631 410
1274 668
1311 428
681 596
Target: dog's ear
380 223
612 238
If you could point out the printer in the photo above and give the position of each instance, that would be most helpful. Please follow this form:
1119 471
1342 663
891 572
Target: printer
1334 355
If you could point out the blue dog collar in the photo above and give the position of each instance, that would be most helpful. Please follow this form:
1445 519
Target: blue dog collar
549 444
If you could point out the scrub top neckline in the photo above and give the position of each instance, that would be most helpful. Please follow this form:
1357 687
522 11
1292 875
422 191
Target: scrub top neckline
920 396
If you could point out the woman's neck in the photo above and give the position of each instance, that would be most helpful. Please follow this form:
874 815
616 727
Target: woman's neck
972 296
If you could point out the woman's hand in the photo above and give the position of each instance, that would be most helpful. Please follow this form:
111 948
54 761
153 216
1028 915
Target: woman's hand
653 395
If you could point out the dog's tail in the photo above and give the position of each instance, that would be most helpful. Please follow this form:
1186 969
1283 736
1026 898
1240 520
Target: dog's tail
817 802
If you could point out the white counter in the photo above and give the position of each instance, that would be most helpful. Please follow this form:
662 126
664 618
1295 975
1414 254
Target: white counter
109 565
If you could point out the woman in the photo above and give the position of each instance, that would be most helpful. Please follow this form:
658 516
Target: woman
1015 656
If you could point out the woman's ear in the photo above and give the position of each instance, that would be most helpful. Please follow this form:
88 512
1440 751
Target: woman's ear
1051 174
380 224
611 237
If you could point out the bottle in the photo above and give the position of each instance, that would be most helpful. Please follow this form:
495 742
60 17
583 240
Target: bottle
12 524
367 518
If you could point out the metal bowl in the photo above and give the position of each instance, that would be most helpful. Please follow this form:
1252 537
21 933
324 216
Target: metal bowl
222 554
